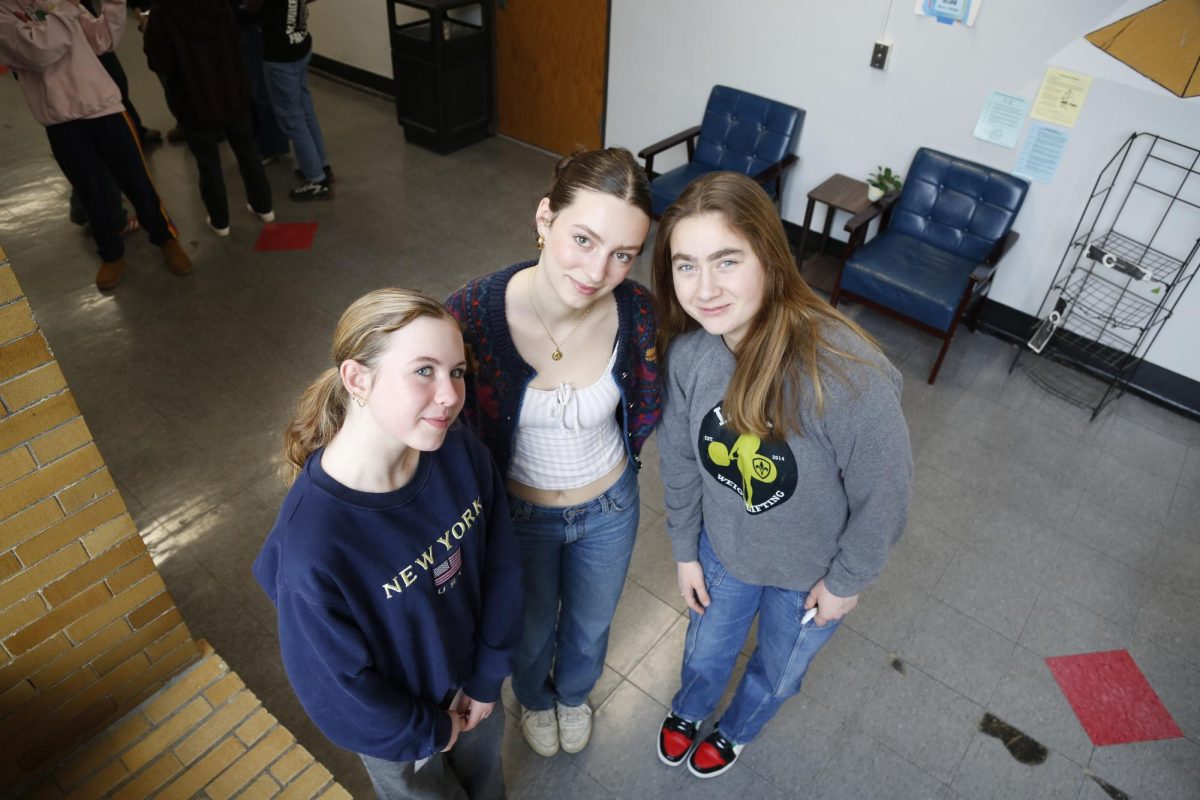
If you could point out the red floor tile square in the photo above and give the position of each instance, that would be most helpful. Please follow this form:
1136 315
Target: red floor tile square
1112 698
286 236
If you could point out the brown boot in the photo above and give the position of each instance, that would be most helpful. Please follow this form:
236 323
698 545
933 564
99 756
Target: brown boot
110 273
177 260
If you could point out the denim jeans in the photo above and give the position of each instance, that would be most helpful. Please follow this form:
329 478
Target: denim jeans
472 769
785 648
575 560
287 83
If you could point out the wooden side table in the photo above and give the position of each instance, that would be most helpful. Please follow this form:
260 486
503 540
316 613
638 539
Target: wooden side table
839 193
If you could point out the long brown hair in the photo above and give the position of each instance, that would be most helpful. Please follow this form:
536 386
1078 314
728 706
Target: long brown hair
612 171
361 335
786 345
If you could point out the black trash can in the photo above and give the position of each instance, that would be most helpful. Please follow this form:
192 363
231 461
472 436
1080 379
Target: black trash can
442 70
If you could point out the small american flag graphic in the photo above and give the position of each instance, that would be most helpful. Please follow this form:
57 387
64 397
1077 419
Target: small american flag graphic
448 568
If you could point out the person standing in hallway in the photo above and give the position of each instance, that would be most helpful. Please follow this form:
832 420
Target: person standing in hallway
286 51
272 143
565 393
53 49
193 45
784 456
392 562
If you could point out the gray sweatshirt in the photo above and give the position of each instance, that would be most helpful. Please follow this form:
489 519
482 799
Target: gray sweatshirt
829 504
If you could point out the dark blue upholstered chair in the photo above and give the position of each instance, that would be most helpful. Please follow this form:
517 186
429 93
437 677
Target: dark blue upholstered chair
741 132
939 241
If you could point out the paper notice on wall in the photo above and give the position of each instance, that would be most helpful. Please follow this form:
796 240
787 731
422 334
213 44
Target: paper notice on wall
1041 153
1061 96
949 12
1001 119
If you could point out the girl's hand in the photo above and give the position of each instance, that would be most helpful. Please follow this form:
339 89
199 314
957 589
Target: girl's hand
473 712
830 607
456 727
690 576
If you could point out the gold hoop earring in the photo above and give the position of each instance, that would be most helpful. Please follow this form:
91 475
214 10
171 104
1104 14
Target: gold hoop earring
541 241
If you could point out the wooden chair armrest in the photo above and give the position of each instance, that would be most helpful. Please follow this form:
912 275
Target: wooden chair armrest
880 206
775 170
1002 247
648 153
983 273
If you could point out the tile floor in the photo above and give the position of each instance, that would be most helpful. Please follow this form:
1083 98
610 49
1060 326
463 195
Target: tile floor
1033 532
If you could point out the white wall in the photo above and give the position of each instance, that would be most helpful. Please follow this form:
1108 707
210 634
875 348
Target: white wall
667 54
355 32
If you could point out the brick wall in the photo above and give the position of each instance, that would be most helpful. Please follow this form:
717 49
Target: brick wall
204 735
87 628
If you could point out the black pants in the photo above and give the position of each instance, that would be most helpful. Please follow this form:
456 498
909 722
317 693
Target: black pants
204 145
112 65
84 149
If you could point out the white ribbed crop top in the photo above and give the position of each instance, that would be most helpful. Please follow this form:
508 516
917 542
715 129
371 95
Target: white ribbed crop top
568 437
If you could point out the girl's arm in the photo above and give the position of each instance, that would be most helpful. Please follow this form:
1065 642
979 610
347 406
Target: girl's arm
34 45
870 442
331 671
104 32
681 476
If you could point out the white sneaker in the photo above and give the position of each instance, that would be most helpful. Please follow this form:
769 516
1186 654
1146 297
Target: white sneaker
574 726
218 231
540 729
266 216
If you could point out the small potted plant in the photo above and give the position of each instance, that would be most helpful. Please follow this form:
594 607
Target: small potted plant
882 181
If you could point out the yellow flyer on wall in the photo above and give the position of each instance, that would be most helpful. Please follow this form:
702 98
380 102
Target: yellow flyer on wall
1061 97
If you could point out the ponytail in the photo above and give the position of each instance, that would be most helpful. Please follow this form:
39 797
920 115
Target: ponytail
319 415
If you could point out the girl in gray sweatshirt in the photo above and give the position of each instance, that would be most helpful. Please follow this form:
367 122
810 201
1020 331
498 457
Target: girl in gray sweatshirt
784 456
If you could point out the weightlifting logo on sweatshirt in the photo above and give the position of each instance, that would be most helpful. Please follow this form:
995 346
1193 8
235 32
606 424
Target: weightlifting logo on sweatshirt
762 473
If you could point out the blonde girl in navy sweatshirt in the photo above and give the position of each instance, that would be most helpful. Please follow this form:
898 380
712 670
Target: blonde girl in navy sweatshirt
392 563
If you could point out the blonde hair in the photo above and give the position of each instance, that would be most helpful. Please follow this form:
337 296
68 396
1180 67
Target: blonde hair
361 335
786 340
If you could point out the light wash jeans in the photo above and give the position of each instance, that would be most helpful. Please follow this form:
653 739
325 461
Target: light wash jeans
472 770
777 666
287 83
575 561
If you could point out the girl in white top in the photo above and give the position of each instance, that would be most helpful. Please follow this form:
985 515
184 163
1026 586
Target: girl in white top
564 392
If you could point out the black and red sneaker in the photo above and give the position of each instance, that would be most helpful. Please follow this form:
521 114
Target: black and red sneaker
714 756
676 738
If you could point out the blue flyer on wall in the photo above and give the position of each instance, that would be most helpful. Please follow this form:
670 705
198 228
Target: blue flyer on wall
1042 152
1001 119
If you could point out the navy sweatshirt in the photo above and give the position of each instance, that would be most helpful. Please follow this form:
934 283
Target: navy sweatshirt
390 602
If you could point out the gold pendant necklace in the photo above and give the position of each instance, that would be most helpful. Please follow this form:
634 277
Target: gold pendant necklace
557 354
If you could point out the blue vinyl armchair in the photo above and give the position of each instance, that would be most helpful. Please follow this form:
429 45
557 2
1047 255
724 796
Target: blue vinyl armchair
741 132
939 241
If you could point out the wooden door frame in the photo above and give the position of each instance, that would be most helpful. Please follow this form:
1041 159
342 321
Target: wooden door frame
494 128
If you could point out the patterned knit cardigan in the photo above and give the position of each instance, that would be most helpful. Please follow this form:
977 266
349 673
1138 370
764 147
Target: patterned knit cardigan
496 384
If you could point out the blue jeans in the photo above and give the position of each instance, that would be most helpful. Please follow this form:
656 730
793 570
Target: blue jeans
575 560
287 82
472 770
268 138
785 648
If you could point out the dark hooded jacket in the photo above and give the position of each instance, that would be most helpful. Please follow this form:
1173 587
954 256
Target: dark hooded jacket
194 45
